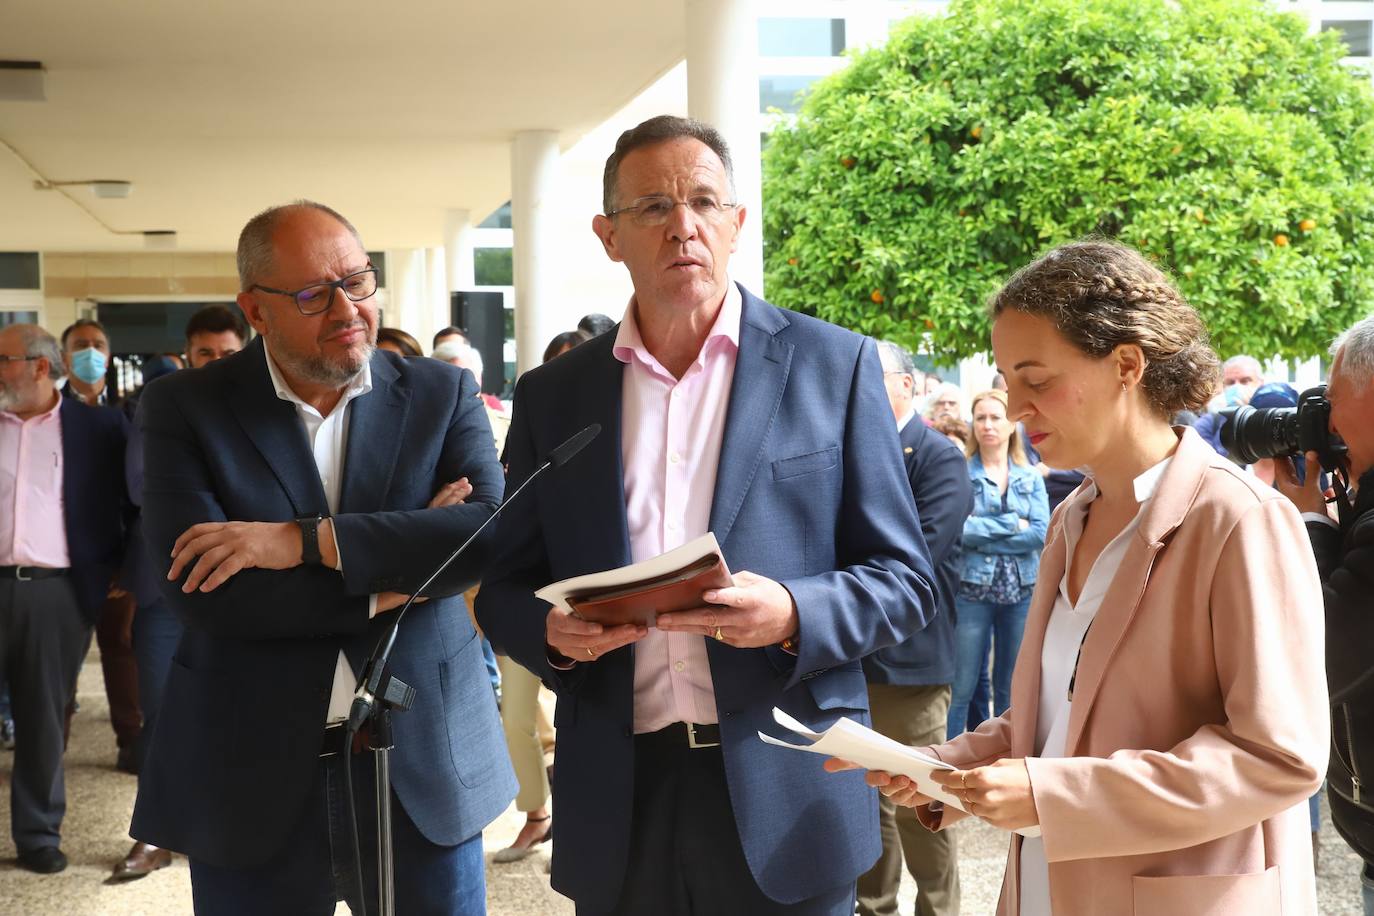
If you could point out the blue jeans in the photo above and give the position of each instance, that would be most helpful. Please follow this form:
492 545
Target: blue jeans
157 631
982 690
979 622
315 868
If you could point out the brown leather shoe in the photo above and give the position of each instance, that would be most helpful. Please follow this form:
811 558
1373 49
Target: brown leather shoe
142 860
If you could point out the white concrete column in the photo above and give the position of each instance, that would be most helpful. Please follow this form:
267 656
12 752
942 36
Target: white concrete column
723 91
406 300
437 310
458 249
534 182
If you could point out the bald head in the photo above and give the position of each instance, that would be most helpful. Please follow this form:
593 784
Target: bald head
256 257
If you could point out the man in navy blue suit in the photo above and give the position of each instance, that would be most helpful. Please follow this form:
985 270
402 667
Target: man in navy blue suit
62 518
301 488
909 683
720 413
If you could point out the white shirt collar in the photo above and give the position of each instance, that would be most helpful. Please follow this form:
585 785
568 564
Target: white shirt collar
1146 483
910 415
361 384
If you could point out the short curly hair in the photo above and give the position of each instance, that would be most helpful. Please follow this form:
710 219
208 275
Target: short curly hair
1101 294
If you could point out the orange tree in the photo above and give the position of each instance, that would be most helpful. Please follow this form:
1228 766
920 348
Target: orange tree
1217 136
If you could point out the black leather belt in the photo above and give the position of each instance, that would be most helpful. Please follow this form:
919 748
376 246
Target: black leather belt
684 735
26 573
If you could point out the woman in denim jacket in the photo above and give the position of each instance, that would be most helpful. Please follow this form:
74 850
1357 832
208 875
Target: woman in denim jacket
1002 543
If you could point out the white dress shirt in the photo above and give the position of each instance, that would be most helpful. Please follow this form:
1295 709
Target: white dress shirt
1064 635
328 437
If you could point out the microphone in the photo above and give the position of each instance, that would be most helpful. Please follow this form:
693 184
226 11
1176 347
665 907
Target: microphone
393 691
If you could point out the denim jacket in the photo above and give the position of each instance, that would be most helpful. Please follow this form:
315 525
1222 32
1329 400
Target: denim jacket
989 532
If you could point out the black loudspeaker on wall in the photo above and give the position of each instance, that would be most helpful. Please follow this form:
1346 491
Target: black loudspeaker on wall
482 316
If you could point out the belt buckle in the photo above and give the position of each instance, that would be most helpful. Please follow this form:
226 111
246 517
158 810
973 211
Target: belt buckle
19 574
692 738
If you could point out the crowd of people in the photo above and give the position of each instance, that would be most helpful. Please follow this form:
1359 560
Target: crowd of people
1064 588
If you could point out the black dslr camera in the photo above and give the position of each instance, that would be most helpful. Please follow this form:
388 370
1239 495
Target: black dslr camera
1250 433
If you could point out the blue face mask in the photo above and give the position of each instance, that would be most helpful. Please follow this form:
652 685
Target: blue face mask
89 365
1234 394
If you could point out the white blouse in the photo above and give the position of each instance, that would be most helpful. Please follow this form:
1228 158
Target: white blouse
1064 636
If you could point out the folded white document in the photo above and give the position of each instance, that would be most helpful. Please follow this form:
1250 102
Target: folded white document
851 741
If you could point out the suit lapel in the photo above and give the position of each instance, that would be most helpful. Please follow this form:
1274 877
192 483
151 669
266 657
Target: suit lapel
277 433
761 368
376 426
597 486
1174 497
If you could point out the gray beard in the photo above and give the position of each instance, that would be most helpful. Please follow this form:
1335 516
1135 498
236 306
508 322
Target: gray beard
320 371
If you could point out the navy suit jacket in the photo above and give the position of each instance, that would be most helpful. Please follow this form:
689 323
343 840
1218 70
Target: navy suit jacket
94 505
938 474
237 742
809 492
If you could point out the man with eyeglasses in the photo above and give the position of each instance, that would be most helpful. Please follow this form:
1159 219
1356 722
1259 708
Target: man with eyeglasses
61 537
770 429
293 522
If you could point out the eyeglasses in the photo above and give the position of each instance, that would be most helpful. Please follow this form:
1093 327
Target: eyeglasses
18 359
312 300
655 211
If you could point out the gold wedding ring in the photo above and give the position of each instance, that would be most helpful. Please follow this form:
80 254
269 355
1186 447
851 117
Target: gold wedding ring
591 653
720 637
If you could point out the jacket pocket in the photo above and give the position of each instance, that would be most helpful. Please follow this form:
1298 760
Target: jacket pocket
810 463
1208 895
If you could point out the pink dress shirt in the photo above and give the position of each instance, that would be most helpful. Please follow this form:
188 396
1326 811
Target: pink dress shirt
33 528
670 449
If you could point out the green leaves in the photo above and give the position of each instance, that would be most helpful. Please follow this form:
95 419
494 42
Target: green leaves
1215 135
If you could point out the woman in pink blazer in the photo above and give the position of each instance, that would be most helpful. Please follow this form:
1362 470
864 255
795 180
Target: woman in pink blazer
1168 714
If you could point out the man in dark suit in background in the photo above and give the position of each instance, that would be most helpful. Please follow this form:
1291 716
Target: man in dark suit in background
909 683
276 482
62 515
719 413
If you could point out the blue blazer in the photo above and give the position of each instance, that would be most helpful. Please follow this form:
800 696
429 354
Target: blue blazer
94 503
810 492
236 746
989 532
938 475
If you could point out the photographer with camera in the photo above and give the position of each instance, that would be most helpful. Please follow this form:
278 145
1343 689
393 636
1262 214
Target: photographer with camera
1344 549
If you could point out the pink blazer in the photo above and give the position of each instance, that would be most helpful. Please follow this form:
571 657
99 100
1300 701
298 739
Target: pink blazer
1200 721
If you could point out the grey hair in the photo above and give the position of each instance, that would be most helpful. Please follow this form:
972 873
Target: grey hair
1356 349
895 358
657 130
39 343
255 241
467 355
1241 360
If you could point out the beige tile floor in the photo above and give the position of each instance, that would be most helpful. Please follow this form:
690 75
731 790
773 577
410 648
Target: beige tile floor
100 800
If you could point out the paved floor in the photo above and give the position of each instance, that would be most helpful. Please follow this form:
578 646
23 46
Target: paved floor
100 800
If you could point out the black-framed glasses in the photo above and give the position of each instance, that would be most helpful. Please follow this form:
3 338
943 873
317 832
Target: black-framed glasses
18 359
314 299
655 211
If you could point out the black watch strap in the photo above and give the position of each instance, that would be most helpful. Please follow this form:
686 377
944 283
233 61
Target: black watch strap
310 540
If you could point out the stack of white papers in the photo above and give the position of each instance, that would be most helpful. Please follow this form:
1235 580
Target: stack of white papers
859 744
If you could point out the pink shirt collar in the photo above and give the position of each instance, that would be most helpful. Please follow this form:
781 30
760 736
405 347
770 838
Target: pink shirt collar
630 345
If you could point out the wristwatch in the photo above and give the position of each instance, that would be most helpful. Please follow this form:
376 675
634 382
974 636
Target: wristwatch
310 540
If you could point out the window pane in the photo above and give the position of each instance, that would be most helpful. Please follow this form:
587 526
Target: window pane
781 91
493 267
801 37
1354 32
19 270
499 218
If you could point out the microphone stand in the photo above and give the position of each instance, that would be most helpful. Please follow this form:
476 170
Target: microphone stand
379 692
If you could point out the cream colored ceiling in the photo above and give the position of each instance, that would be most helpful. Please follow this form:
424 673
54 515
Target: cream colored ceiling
389 112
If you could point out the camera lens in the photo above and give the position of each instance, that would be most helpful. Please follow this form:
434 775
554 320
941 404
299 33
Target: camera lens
1249 434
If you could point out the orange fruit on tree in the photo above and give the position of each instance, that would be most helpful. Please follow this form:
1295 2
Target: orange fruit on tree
976 133
877 296
1281 240
848 162
930 325
792 261
1307 225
